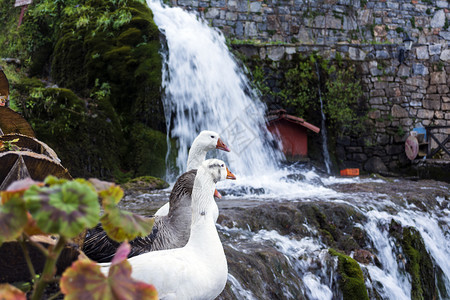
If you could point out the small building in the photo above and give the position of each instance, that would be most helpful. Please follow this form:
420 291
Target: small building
291 130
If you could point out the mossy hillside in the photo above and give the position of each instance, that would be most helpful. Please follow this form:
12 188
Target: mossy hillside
11 42
104 55
86 135
147 150
351 277
125 56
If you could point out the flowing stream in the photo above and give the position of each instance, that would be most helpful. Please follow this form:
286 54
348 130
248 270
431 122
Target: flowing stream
205 88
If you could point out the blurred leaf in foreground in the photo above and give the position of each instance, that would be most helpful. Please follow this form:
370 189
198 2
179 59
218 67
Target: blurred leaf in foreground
17 189
111 196
65 209
84 280
9 292
13 218
123 225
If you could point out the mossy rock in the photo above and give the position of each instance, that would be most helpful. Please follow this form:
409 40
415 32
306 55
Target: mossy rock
147 151
126 57
352 278
110 79
86 135
419 265
144 184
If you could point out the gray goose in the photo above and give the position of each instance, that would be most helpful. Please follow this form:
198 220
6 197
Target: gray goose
171 229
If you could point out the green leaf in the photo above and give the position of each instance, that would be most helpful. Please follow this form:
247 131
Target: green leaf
84 280
9 292
65 209
111 196
122 225
13 218
52 180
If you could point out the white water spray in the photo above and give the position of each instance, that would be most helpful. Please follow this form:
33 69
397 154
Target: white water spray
205 89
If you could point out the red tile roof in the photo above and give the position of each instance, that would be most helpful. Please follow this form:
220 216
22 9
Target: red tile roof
280 114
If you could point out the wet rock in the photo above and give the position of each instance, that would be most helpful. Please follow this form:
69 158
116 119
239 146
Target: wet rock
365 256
144 184
351 277
334 222
417 261
296 177
265 268
375 165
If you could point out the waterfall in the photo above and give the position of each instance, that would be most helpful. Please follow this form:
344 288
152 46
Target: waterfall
323 130
205 89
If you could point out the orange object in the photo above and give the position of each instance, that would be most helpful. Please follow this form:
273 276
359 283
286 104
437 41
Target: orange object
350 172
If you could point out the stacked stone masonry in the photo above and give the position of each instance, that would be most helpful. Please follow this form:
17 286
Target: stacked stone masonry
400 95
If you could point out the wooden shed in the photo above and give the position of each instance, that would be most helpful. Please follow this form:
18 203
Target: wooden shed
292 131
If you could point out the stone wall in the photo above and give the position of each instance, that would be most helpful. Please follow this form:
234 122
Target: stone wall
325 21
400 95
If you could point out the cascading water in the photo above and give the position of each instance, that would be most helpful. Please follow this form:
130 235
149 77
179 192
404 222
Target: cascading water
206 90
388 278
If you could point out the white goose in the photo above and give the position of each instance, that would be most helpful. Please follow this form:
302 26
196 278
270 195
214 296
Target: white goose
170 230
204 142
199 269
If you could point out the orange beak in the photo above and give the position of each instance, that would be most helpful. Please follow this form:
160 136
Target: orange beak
217 194
230 175
221 145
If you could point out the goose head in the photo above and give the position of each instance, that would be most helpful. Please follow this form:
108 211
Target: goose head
209 173
217 170
207 140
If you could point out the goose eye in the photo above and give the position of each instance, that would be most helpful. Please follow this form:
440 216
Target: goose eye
222 165
212 136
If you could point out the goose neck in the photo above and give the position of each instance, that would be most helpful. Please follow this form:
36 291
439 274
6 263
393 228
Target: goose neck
196 156
202 196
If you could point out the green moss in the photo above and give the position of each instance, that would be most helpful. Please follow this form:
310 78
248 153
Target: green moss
352 279
326 228
145 183
418 262
124 54
147 151
105 57
419 265
86 135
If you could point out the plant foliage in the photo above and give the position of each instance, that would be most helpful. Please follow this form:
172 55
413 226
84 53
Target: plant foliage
85 280
310 80
103 55
65 209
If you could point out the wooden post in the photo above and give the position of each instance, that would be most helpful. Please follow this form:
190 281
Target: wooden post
22 12
24 4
